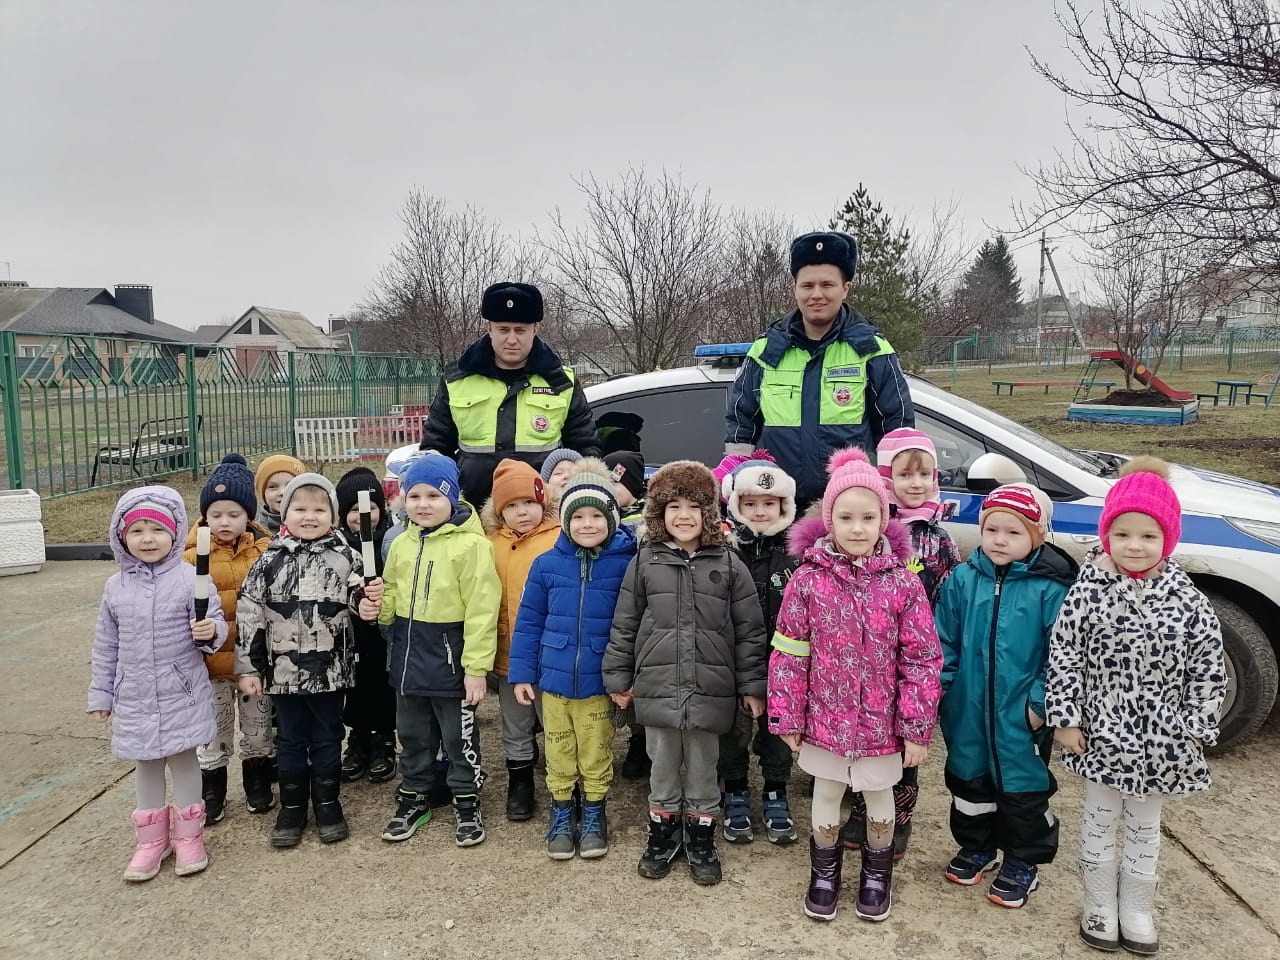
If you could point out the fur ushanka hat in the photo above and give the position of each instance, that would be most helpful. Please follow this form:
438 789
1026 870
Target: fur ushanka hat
684 478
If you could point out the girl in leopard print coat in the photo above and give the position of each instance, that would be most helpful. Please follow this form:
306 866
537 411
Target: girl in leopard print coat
1136 677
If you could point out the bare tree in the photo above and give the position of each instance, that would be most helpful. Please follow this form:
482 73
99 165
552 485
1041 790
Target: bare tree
758 287
645 264
429 291
1124 277
1180 128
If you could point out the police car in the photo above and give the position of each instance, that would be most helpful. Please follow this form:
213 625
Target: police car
1231 527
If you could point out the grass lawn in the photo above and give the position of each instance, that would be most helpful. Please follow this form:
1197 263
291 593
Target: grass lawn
1240 440
85 517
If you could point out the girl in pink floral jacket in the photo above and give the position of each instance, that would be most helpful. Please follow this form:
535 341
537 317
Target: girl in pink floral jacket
854 679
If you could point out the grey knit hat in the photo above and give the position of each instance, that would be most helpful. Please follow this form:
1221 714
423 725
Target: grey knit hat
557 456
310 480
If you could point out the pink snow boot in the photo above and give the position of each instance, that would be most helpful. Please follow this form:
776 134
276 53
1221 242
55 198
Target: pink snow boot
188 840
152 830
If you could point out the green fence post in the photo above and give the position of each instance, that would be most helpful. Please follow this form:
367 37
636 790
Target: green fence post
293 404
355 374
12 410
398 366
193 414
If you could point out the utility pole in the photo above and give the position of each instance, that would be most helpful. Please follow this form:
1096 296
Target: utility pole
1040 297
1065 302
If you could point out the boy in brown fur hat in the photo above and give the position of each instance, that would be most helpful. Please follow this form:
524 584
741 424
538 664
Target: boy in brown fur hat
701 646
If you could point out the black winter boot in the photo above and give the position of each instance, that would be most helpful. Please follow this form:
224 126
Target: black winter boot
635 766
257 784
704 861
854 832
382 758
215 794
325 785
295 791
520 801
666 841
355 761
904 805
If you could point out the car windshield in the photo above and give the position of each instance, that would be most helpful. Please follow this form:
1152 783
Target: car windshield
1077 458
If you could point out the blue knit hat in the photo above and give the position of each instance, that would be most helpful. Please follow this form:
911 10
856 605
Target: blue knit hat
231 480
556 457
435 470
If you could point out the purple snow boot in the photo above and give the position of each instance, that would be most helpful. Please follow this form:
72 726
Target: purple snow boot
824 880
875 883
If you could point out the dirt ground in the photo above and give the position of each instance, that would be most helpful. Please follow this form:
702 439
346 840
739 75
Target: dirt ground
65 837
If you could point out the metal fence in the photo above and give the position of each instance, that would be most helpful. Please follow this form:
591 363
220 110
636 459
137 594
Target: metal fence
80 412
1230 349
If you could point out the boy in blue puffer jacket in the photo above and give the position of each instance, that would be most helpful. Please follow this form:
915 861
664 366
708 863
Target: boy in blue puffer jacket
561 632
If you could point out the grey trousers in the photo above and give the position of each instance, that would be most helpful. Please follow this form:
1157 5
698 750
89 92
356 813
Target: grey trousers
683 775
427 723
518 742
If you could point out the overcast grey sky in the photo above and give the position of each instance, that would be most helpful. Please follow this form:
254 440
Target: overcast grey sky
239 153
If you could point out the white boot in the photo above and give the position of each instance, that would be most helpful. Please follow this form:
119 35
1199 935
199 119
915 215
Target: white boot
1099 926
1137 906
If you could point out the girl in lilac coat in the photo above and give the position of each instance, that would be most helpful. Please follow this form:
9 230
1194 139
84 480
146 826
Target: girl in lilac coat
854 679
149 673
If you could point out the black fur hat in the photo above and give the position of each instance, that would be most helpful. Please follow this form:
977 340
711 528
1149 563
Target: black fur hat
512 303
838 249
684 478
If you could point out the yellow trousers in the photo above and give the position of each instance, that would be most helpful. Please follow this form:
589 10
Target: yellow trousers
579 739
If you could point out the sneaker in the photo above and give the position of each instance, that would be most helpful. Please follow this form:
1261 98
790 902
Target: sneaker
468 824
413 810
1013 886
593 831
666 842
561 842
355 763
382 758
778 825
737 816
967 867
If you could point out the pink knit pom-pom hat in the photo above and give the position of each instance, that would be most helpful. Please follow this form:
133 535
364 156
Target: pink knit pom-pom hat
849 468
1144 487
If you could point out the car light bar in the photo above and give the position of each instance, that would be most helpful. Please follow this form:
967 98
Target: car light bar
721 349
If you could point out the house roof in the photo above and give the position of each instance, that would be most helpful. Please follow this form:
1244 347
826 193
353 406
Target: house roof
210 332
78 311
293 326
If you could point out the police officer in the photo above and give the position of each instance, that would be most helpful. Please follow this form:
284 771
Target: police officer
820 378
508 395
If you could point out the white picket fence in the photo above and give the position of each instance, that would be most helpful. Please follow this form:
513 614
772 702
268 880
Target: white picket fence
343 439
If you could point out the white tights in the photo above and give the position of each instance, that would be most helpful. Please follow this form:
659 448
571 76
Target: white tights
148 780
1103 808
825 816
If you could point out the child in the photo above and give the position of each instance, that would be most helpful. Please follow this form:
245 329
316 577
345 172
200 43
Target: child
295 643
148 672
371 704
627 468
854 675
441 608
272 476
761 501
397 463
561 634
520 520
994 616
560 465
687 641
1136 678
908 464
227 501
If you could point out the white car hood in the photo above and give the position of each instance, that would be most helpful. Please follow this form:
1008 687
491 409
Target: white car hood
1222 495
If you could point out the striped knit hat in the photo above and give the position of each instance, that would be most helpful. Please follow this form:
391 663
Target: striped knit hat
591 486
1024 502
149 510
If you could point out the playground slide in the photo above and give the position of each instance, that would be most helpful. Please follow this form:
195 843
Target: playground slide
1141 373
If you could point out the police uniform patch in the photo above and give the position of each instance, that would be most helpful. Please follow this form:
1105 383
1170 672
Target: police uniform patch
511 304
543 390
843 372
541 424
842 396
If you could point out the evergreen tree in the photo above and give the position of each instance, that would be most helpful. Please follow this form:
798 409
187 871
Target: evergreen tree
885 288
993 282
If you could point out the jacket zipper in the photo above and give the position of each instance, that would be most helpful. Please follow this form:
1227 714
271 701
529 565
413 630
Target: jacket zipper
408 630
582 594
991 687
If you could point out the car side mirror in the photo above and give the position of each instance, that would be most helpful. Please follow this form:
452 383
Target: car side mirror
992 470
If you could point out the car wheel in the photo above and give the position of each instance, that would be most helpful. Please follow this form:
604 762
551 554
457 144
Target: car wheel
1252 674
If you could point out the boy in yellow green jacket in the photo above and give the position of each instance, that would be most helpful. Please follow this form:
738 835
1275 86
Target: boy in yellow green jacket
440 606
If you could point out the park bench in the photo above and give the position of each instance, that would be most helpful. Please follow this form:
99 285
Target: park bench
1086 385
165 442
1266 396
